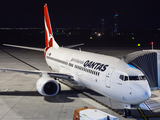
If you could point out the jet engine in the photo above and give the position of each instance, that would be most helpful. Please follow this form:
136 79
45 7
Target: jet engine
47 86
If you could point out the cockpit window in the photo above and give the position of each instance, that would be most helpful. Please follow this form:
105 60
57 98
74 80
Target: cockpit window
125 78
121 77
133 78
142 77
137 78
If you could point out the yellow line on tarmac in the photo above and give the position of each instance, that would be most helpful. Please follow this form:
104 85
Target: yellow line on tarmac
142 113
152 115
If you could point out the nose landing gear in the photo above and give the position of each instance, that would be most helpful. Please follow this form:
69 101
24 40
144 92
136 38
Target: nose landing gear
127 111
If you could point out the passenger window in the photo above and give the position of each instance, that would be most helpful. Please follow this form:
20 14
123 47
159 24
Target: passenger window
126 78
121 77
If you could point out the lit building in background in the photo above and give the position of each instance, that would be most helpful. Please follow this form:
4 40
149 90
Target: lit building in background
116 22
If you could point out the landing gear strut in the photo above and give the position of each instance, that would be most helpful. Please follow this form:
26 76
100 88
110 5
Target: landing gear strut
127 113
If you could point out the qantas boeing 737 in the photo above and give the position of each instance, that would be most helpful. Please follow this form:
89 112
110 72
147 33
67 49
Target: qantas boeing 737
107 75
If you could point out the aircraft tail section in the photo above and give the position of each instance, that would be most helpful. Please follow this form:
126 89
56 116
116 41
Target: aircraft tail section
49 39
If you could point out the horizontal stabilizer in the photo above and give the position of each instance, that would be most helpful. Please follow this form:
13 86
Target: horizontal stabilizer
72 46
24 47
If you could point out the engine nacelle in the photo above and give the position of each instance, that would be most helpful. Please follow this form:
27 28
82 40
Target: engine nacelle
47 86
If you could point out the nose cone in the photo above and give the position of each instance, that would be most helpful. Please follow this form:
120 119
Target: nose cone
144 94
141 92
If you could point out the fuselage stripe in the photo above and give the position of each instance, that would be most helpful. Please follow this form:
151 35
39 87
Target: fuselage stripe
57 60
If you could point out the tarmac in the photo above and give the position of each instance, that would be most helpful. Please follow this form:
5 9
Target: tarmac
19 99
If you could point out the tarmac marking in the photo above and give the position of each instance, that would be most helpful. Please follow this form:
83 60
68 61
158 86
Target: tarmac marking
147 116
153 104
139 109
19 59
148 107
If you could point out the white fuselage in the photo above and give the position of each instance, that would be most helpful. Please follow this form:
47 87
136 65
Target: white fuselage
100 73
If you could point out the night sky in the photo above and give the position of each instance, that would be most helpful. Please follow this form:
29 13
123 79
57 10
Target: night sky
133 14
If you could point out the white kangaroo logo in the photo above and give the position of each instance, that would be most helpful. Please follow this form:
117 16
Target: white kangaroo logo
49 36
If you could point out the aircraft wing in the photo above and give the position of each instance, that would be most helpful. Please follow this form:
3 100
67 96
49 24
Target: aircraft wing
50 73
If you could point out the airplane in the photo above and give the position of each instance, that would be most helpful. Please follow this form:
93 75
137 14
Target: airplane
107 75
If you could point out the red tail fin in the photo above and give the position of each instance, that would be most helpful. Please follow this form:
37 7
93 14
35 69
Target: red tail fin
49 39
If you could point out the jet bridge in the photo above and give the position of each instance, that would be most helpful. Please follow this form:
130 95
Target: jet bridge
148 61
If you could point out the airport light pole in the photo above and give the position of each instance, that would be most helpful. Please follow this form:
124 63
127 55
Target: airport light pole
152 45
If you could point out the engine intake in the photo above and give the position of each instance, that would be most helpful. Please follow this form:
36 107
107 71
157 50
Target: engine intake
50 88
47 86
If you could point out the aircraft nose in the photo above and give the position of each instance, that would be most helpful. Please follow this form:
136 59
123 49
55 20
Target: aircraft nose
140 93
144 93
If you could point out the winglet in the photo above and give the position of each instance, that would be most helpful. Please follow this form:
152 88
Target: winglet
49 39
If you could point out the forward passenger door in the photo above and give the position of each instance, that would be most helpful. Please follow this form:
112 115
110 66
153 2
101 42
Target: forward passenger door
108 77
